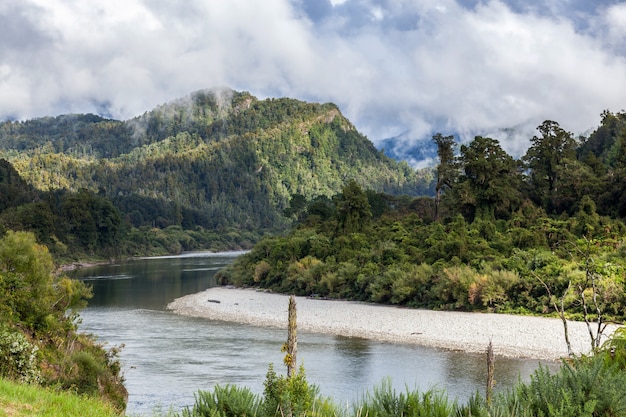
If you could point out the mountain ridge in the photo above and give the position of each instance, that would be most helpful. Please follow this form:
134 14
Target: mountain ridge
215 158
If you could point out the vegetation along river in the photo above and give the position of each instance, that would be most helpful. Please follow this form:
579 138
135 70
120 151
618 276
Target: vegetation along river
167 358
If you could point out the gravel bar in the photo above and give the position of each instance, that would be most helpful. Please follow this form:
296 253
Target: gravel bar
511 335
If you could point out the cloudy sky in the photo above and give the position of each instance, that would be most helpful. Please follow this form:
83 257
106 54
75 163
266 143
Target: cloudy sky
394 67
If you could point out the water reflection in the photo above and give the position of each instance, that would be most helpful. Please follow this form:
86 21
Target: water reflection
353 357
461 367
150 283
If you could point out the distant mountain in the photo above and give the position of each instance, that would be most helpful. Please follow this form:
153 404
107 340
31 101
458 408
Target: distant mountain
215 158
417 153
422 152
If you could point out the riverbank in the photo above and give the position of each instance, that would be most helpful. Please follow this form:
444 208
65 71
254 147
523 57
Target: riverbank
68 267
78 265
512 336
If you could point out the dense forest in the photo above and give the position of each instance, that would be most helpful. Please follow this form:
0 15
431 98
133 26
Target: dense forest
542 234
214 170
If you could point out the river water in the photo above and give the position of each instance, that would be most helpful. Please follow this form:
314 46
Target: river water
167 358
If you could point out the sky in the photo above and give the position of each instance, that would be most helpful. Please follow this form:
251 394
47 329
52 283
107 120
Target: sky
405 68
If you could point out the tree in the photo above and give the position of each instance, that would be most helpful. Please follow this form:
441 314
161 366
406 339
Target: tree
446 169
25 279
544 158
599 287
489 186
30 294
297 206
583 279
604 142
613 200
92 219
354 209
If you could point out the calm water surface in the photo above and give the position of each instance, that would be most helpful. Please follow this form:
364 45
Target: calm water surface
167 358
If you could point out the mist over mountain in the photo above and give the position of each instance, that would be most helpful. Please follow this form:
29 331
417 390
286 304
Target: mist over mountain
418 153
421 152
216 159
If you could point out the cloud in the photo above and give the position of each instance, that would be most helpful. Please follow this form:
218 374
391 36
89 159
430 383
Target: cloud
395 67
614 23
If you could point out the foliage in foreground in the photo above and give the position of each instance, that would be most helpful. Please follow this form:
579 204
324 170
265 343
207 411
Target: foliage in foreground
283 396
23 400
384 401
39 340
584 387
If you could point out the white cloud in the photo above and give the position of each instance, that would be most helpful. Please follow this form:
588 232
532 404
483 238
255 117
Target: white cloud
393 66
615 20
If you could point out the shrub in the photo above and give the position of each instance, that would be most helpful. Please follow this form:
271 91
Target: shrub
451 287
583 389
226 401
287 396
283 396
18 357
587 387
614 349
385 402
87 370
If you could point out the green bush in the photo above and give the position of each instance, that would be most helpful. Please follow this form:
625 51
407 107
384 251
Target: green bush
87 370
36 304
385 402
587 387
226 401
18 357
582 387
287 396
614 349
282 397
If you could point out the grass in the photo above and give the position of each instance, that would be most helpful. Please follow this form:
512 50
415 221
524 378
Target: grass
17 400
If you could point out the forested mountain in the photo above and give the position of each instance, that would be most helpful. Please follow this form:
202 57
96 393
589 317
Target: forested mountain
216 160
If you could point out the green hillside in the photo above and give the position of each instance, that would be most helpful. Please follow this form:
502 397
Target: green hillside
216 160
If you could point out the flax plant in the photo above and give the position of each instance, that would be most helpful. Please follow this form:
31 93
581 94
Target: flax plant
384 401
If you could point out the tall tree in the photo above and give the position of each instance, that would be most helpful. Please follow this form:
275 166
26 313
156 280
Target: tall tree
546 156
613 198
354 210
447 167
488 188
13 189
92 219
604 142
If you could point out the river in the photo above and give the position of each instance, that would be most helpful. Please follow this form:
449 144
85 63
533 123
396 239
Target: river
167 358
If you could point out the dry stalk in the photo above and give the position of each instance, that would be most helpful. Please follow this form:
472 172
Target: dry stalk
490 371
292 339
